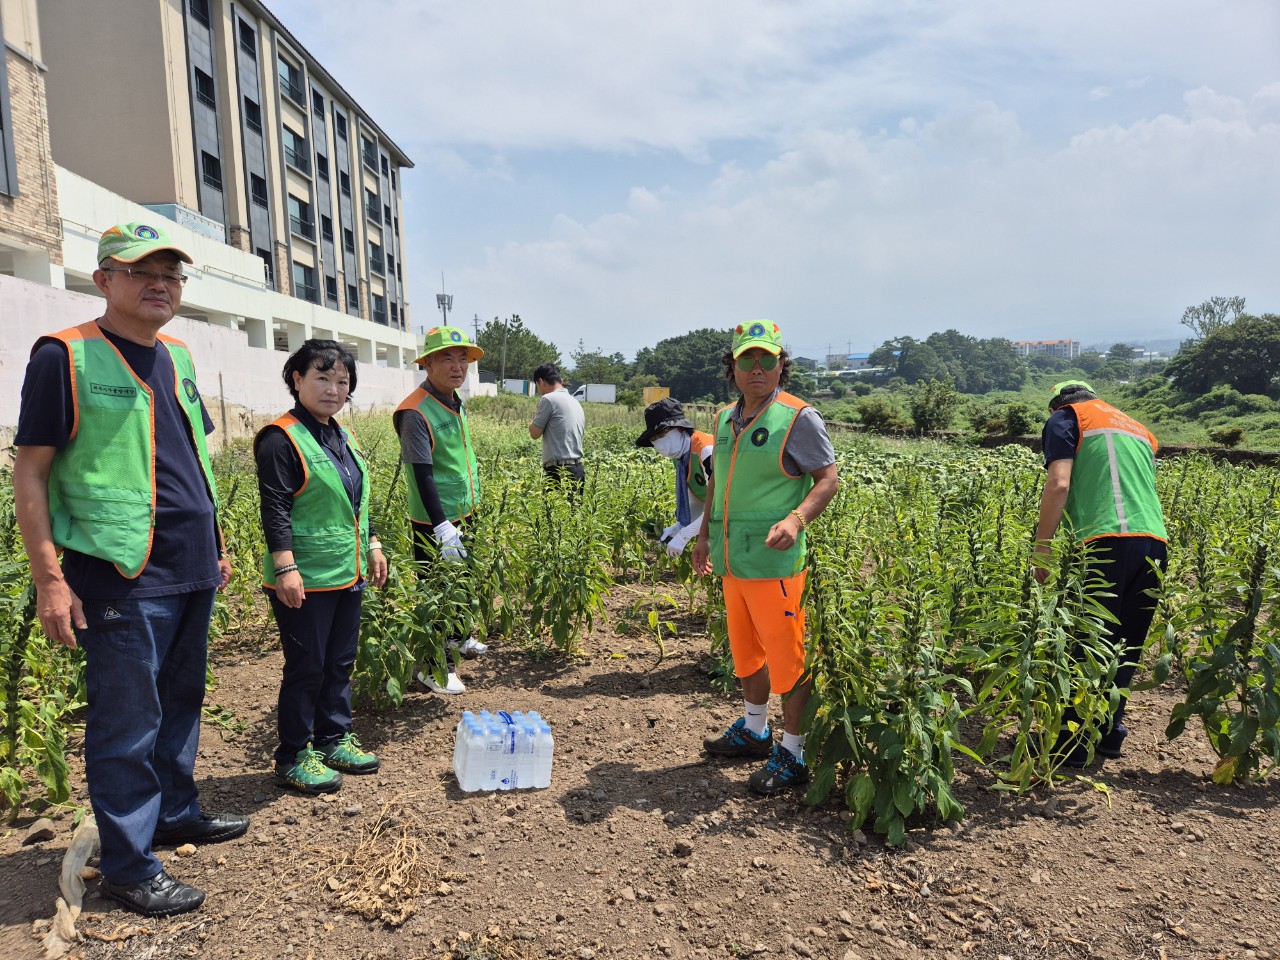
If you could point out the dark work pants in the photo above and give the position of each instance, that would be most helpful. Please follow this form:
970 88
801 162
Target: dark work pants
426 550
1124 563
574 471
320 641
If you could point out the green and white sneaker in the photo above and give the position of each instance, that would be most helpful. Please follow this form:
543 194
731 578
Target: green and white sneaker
308 773
346 755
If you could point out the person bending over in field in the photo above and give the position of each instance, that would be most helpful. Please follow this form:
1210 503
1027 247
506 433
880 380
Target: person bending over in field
774 472
1101 480
670 433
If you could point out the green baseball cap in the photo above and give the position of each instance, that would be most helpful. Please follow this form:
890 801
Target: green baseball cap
442 338
1058 388
130 242
757 333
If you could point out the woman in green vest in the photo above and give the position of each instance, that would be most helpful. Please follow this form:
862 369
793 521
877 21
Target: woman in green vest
321 553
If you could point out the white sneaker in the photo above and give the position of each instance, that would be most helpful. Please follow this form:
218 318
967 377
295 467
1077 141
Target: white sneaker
470 648
453 686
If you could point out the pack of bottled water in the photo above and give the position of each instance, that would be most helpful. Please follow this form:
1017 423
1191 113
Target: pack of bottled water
502 751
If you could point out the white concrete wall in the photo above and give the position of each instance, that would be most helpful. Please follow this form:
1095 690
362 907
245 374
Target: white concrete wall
250 376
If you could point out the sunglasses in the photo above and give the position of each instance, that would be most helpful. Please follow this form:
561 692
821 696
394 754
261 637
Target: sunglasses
767 362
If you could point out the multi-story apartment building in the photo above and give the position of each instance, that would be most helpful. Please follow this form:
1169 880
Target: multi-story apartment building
211 113
1066 349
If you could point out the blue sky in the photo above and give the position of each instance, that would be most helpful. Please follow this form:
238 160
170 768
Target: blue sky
625 171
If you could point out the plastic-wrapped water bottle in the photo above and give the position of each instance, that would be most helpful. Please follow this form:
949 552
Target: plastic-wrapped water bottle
503 751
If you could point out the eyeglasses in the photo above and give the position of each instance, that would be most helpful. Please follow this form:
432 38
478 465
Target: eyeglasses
149 276
767 362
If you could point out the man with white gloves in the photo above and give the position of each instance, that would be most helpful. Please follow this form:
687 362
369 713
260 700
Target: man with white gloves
671 434
441 472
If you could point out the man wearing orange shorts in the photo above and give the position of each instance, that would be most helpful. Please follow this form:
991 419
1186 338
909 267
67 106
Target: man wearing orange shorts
773 472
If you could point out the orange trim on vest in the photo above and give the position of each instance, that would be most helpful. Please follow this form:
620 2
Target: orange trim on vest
1100 415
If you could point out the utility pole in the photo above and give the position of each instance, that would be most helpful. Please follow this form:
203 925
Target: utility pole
502 363
476 322
444 302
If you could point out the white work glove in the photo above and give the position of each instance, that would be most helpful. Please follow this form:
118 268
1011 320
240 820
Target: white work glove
676 545
450 541
668 533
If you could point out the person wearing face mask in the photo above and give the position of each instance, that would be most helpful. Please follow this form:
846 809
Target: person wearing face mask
671 434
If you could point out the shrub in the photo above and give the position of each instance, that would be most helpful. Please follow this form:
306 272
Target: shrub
1227 436
880 413
933 404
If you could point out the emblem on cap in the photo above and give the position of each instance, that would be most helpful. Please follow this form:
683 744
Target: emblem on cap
757 330
144 232
456 336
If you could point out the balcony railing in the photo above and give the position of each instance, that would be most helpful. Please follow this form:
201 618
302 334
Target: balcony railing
380 316
297 159
370 158
378 266
303 228
307 292
293 91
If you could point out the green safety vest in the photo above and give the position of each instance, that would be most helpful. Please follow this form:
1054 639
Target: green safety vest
1113 479
102 484
453 458
330 540
697 475
753 492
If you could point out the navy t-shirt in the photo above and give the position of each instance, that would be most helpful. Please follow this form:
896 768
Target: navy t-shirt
184 547
1061 435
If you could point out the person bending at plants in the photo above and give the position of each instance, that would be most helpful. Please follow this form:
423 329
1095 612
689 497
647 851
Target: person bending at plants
1101 480
320 554
116 501
441 474
670 433
774 472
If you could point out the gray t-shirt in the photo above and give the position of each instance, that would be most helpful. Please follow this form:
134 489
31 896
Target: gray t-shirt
560 419
808 448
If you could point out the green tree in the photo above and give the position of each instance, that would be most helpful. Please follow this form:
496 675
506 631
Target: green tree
688 364
512 350
933 404
1243 354
976 366
1122 352
1212 315
595 366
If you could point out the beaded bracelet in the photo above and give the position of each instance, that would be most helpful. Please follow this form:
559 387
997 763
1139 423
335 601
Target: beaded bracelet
800 516
287 568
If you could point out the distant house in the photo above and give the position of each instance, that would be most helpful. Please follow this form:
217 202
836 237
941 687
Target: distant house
805 363
857 361
1066 349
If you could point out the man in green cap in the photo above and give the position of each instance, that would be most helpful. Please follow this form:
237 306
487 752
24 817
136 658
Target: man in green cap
113 473
773 472
1101 480
442 474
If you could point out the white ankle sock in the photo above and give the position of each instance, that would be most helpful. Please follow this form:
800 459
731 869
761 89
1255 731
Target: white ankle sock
757 717
795 743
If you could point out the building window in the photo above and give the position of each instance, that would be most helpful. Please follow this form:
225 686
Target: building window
339 125
317 104
331 290
326 228
322 166
344 183
386 169
391 265
295 150
393 180
300 218
267 267
211 168
395 315
353 297
291 82
204 89
371 205
258 189
379 310
8 159
200 10
386 214
368 153
252 115
376 263
248 41
304 283
349 241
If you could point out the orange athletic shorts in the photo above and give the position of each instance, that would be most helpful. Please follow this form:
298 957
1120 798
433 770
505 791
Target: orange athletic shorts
766 626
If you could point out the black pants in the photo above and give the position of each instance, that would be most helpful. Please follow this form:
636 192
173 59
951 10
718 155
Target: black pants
320 641
573 470
426 550
1125 564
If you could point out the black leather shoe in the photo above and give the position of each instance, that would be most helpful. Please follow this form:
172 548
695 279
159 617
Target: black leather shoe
206 828
158 896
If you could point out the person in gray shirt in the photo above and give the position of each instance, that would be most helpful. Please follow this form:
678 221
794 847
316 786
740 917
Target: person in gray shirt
559 423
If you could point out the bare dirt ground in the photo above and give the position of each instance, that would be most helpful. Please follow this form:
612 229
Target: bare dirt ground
642 847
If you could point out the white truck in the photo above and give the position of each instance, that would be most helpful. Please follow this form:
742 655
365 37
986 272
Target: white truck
596 393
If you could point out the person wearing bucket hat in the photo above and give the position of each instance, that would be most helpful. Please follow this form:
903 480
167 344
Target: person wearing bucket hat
118 509
1100 485
773 472
441 473
669 432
